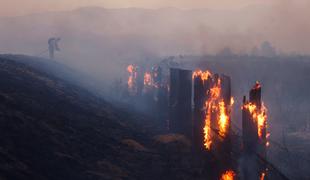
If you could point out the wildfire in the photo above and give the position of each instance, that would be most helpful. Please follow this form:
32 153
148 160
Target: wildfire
147 79
228 175
204 75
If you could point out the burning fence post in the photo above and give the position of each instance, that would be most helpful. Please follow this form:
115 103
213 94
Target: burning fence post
180 101
211 117
254 131
254 123
212 108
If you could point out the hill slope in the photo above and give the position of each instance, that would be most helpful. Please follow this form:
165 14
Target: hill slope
51 129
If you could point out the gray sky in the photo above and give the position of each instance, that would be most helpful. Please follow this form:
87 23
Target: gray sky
21 7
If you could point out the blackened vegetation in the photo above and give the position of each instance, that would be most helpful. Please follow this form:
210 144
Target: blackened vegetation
53 129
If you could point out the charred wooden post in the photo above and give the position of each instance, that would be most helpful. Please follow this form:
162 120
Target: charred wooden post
199 113
256 95
180 101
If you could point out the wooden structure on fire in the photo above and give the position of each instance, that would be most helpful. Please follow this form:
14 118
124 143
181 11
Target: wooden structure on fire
180 99
253 134
206 108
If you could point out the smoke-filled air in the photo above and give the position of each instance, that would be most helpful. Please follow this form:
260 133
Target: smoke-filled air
184 89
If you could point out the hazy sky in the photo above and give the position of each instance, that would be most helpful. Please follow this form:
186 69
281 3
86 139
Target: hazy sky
21 7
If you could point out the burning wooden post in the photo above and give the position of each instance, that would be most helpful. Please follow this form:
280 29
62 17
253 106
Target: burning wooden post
212 107
254 126
180 101
211 118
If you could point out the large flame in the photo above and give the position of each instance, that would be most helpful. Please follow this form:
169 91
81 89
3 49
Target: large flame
228 175
213 104
210 105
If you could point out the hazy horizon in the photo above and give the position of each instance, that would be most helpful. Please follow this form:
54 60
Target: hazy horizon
14 8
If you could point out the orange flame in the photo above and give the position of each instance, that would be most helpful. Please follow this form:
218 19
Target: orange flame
130 68
213 104
203 75
260 117
216 90
262 121
207 127
147 79
232 101
228 175
262 176
131 77
223 119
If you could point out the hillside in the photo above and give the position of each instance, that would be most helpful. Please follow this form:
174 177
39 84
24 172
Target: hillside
53 129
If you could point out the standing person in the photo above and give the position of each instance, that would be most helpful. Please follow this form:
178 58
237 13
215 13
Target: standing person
53 46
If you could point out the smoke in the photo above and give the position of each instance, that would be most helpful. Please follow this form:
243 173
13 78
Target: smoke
288 25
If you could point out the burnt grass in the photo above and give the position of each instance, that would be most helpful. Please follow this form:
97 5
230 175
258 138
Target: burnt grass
51 128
